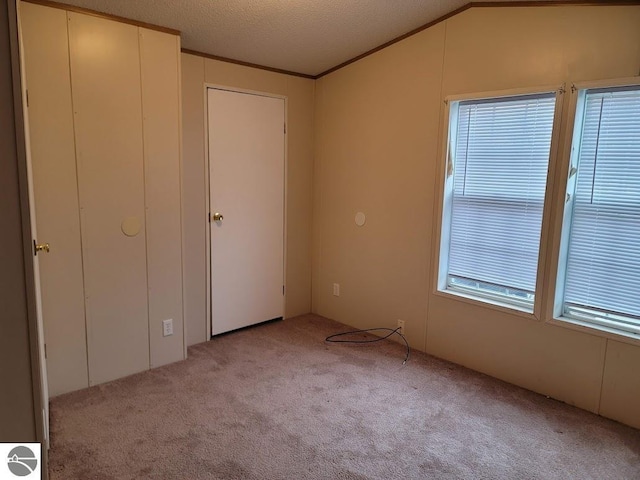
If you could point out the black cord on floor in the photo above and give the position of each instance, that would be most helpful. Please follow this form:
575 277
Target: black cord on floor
330 338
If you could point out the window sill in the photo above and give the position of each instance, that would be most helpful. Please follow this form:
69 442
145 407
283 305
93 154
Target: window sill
491 304
595 330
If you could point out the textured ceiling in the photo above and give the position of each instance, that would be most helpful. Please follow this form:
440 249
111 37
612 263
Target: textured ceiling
304 36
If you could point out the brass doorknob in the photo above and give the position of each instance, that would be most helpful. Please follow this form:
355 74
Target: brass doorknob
40 247
217 217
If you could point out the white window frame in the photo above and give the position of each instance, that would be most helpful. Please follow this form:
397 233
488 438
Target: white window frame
442 226
560 248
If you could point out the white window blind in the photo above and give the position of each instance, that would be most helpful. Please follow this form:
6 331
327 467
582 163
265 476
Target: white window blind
500 163
603 262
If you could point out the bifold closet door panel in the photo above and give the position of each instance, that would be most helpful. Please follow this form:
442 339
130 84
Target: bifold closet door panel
105 74
53 159
160 56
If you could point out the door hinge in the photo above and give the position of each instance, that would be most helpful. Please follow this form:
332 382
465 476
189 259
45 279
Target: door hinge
285 128
45 351
27 95
283 289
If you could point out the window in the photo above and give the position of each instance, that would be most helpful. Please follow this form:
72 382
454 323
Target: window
494 196
599 268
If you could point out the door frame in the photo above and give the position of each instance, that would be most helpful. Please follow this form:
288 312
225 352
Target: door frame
207 171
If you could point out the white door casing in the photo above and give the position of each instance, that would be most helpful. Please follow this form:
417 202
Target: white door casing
246 134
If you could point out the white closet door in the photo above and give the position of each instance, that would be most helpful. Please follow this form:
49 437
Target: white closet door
246 159
55 184
105 73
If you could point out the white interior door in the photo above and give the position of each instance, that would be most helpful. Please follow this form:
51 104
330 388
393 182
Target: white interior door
246 161
55 186
44 385
38 248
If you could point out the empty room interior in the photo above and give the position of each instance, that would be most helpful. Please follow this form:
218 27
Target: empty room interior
321 239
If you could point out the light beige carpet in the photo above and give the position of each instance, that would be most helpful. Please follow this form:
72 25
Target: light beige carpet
276 402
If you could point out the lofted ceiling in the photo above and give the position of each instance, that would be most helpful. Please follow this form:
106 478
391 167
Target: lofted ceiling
303 36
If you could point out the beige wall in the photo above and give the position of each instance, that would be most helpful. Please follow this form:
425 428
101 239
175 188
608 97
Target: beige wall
378 131
160 72
377 123
196 71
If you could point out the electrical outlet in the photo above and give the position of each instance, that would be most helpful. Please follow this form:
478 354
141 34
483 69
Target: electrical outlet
167 327
401 326
336 289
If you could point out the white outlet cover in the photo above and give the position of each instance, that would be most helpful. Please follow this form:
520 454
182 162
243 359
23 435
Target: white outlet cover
167 327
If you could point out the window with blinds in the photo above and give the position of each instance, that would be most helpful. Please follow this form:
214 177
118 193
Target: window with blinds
494 196
601 266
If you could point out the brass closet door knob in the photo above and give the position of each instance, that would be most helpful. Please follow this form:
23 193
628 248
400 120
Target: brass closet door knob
40 247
